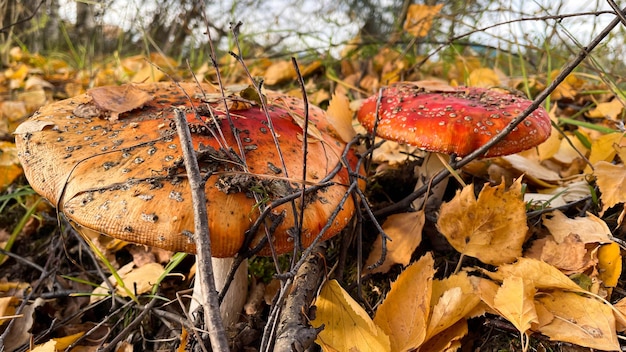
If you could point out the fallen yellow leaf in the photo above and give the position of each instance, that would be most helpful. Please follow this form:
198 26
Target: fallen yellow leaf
448 340
347 327
580 320
611 180
10 167
590 229
403 315
483 77
419 19
609 110
515 302
340 116
603 149
405 232
491 228
543 275
279 72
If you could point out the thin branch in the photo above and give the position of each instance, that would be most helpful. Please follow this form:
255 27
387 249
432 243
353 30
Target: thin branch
210 302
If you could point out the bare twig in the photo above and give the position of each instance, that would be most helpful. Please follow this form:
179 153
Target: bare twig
210 302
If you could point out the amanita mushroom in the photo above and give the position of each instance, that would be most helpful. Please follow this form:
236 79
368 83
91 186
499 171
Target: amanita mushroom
120 173
453 121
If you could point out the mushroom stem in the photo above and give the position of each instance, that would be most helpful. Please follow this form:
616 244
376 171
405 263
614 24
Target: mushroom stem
235 298
432 164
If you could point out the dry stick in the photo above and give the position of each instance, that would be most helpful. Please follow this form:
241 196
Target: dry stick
210 302
294 332
567 69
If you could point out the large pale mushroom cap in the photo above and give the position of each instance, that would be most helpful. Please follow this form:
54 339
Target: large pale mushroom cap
119 171
457 120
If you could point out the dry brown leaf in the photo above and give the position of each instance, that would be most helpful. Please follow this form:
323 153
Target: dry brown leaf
347 327
611 180
279 72
610 264
419 19
590 229
405 232
340 116
491 228
580 320
569 255
403 315
515 302
118 99
543 275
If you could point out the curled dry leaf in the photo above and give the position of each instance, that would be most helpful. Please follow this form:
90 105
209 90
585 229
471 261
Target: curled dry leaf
569 255
119 99
404 314
590 229
405 232
347 327
491 228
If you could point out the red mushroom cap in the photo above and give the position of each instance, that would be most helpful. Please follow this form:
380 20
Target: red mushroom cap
124 176
459 120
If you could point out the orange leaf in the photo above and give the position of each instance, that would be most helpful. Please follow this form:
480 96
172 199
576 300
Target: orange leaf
491 228
405 232
403 315
610 264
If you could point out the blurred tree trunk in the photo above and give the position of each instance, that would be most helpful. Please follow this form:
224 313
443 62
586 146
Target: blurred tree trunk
85 21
